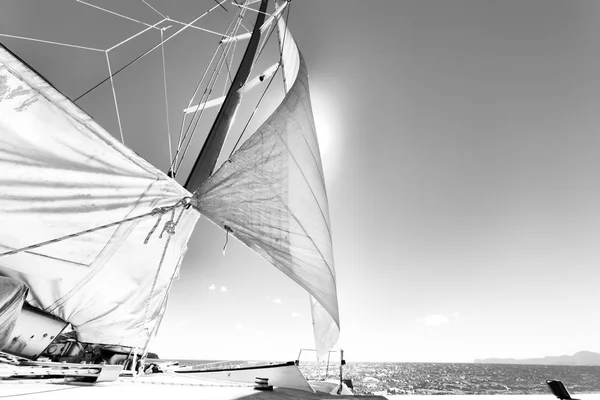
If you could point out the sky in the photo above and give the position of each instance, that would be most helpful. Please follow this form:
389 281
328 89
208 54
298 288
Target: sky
460 143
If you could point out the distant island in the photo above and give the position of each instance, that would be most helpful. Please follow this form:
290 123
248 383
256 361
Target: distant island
579 358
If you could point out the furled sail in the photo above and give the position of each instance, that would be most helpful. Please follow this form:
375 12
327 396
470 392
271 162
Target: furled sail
61 173
271 196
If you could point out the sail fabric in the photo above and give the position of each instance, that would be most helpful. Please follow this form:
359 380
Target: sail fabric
326 332
290 55
12 295
61 173
271 196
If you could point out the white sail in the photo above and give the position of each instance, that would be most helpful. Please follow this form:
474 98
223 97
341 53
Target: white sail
61 173
271 196
290 56
326 331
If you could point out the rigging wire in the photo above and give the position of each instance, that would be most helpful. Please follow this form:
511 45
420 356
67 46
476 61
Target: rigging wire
268 85
253 112
226 10
112 12
199 27
164 68
112 84
147 52
136 35
198 113
158 12
189 105
207 92
229 69
281 48
50 42
173 168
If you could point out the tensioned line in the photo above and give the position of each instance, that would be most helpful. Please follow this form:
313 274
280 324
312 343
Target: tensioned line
138 34
252 9
267 37
146 53
164 68
233 27
50 42
112 12
158 12
198 27
179 142
112 84
207 92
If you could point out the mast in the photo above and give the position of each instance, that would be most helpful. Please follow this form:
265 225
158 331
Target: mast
207 159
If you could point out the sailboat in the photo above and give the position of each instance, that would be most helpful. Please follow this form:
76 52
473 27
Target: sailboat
92 235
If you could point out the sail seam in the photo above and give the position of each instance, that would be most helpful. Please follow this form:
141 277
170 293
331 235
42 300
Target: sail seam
293 215
304 177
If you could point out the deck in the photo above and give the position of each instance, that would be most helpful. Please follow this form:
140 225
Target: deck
171 387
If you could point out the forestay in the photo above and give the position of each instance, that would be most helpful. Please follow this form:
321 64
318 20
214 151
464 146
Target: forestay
61 173
271 196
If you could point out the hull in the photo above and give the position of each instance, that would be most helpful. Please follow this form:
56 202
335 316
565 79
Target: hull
285 375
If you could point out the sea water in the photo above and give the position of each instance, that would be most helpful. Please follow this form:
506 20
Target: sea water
441 378
387 378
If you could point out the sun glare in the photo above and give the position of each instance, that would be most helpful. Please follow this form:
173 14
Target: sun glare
325 119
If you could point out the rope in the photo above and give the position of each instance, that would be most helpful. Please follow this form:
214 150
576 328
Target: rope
169 228
181 203
228 230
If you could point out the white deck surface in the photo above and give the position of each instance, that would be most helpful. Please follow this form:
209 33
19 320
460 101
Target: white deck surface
158 386
169 387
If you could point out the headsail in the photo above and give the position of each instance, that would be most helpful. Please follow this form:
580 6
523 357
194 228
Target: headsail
326 331
271 196
61 173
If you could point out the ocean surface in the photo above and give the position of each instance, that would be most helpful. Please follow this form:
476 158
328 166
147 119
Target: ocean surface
447 379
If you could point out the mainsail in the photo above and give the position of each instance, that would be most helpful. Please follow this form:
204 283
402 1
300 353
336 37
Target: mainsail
61 173
271 196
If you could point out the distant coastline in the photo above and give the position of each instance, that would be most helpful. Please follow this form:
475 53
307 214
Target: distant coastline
579 358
